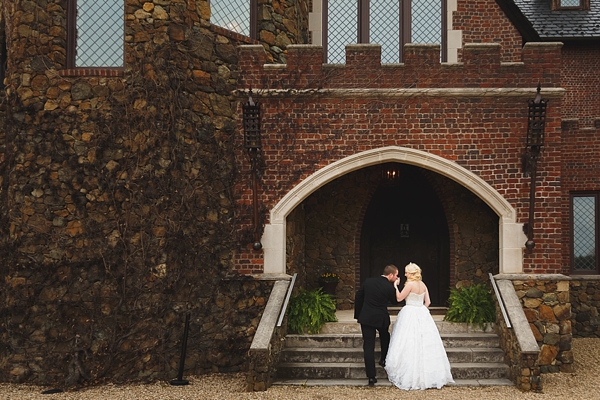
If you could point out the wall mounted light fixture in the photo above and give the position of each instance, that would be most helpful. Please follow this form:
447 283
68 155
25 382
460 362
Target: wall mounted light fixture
536 124
253 146
390 174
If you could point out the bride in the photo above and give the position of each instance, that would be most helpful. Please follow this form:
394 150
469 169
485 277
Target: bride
416 358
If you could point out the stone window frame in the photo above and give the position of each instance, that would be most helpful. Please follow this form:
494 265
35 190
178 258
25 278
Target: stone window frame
71 68
363 26
584 5
596 196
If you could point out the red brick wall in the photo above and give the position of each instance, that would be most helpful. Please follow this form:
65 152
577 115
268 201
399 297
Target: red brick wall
305 131
482 21
580 127
580 172
581 79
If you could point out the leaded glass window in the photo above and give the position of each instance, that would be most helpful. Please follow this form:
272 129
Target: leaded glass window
584 209
100 33
231 14
570 3
342 25
384 28
390 23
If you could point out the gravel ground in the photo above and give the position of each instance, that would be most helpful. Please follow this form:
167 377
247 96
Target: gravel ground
584 383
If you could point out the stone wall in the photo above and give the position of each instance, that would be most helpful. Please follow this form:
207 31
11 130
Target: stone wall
281 23
524 368
585 305
473 233
73 327
117 202
268 342
547 307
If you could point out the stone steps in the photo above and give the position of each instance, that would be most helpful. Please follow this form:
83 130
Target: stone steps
335 357
384 382
354 340
355 355
356 370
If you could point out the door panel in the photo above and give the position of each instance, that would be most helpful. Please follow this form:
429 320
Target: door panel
405 223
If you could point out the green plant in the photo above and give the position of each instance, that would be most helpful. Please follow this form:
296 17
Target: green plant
309 310
473 304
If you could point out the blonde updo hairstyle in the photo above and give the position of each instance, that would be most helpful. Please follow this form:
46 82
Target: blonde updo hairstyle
415 272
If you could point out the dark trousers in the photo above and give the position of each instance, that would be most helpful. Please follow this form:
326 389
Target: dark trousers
369 334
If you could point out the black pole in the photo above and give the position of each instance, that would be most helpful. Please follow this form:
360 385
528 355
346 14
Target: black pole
257 245
530 244
180 381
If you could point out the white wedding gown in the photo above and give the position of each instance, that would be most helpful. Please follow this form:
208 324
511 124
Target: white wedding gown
416 358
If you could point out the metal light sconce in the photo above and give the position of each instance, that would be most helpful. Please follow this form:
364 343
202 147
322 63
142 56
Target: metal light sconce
390 174
536 124
253 146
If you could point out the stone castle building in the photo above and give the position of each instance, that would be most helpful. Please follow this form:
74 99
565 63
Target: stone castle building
129 196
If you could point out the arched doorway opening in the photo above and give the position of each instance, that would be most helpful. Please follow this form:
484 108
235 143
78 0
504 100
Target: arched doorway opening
405 222
511 236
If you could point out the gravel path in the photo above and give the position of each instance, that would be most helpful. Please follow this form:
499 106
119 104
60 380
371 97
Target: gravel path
584 383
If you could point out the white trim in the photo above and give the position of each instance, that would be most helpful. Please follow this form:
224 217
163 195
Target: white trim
454 37
511 233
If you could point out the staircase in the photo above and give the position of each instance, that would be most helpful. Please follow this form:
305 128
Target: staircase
335 356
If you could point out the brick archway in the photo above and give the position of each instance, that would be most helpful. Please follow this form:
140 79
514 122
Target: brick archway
511 232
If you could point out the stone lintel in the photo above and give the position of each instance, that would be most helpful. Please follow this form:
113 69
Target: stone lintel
524 93
535 277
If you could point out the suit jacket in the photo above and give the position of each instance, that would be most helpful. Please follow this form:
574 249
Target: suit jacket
371 301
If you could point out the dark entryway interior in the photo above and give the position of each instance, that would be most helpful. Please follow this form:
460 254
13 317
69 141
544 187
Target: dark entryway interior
354 225
405 222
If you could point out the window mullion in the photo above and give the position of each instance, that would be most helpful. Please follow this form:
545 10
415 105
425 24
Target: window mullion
597 225
405 25
363 21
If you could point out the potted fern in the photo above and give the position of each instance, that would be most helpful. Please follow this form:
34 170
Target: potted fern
309 310
473 305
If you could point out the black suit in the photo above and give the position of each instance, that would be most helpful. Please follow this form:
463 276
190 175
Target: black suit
370 310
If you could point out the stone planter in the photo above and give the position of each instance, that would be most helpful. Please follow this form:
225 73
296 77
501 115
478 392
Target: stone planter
328 287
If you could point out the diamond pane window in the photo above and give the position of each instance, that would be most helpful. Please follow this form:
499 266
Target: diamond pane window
574 5
100 33
584 232
233 15
570 3
342 27
389 23
426 21
384 22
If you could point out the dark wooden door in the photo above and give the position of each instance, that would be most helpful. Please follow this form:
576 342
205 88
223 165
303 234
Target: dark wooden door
405 223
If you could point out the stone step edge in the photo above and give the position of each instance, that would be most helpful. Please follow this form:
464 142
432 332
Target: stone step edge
362 365
358 335
359 350
385 382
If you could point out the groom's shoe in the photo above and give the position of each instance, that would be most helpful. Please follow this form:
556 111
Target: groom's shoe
372 381
382 363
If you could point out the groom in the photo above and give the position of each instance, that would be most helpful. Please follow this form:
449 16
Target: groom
370 310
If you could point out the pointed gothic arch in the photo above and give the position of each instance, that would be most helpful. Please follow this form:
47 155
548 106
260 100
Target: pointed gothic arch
511 233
